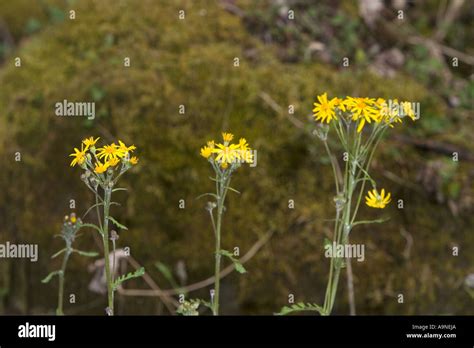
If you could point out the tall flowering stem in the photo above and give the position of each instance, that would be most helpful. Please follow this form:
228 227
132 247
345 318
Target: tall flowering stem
102 169
359 124
348 118
224 158
69 231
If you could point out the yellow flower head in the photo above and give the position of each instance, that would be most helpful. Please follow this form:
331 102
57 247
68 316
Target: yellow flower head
339 103
134 160
227 137
226 153
363 110
124 148
243 145
324 110
246 156
90 142
73 218
206 151
211 144
113 162
407 110
391 113
101 167
79 156
376 200
110 151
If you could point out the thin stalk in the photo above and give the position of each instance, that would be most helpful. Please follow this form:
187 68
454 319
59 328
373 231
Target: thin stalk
105 239
62 275
333 165
222 192
369 161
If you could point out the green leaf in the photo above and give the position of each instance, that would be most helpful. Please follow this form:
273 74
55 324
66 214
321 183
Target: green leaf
86 253
301 307
167 274
116 223
237 265
232 189
58 253
119 189
92 226
327 242
364 222
50 276
138 273
208 194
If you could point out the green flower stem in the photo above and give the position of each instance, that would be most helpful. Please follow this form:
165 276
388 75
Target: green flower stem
105 239
343 224
222 189
61 276
369 161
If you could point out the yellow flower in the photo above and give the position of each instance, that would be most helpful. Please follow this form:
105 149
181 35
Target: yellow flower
243 145
324 110
79 156
110 151
376 200
73 218
206 151
407 110
227 137
89 142
124 148
339 103
246 155
134 160
391 113
363 110
113 162
210 144
224 165
101 168
226 153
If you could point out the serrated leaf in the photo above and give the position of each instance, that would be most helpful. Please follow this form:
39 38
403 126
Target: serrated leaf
50 276
301 307
116 223
237 265
138 273
226 253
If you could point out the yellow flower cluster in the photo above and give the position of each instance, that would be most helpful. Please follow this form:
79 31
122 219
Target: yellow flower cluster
226 154
378 200
362 110
105 157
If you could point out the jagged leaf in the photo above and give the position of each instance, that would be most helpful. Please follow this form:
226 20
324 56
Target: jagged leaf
237 265
138 273
118 224
301 307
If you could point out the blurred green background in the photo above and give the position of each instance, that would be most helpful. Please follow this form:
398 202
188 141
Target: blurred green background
283 62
